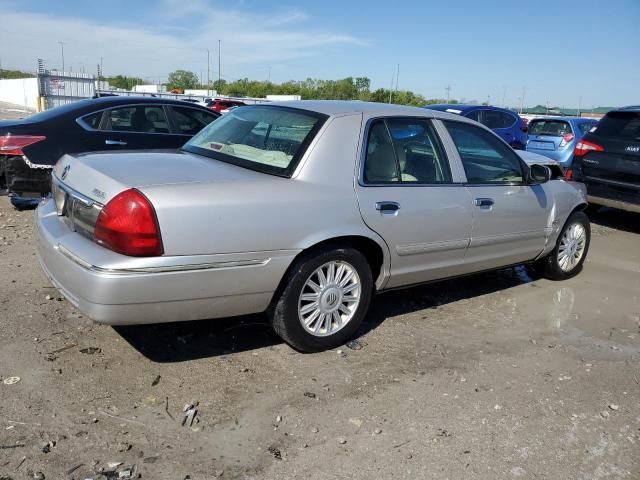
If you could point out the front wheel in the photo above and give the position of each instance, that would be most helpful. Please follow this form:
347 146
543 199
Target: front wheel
566 259
324 298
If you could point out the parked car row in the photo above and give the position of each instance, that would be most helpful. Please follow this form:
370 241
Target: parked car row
30 147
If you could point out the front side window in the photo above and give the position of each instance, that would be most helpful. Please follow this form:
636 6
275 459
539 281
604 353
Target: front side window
486 159
405 150
138 119
190 121
264 138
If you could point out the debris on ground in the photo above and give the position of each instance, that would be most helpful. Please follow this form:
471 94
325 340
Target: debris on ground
190 412
90 350
355 344
342 353
156 380
613 406
310 394
377 431
47 447
342 440
277 454
53 355
11 380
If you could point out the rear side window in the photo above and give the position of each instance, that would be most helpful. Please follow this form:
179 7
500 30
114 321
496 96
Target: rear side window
585 127
92 120
620 125
190 121
263 138
138 119
485 158
493 119
550 128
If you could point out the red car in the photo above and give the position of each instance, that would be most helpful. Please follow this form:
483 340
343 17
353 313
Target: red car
218 105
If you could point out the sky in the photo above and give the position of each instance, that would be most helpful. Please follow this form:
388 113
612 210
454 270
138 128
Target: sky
558 53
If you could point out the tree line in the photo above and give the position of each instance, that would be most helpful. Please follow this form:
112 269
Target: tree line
349 88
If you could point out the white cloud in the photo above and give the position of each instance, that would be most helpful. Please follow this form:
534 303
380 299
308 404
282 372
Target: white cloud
175 35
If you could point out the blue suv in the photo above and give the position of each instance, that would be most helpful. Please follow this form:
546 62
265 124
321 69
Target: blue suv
506 123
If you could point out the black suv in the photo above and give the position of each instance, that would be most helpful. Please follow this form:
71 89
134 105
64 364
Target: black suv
607 160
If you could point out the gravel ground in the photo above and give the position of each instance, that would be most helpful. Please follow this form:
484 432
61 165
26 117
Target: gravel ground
495 376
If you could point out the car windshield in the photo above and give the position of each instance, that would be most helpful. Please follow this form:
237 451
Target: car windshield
270 139
551 128
621 125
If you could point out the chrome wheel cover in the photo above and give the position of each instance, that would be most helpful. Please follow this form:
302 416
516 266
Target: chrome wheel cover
329 298
571 247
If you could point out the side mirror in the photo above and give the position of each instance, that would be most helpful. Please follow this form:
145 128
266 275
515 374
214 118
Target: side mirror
538 174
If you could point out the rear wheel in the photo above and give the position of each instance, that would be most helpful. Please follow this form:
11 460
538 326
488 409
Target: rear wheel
325 296
566 259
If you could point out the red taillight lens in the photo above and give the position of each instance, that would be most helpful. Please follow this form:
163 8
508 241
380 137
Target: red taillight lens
128 225
583 147
13 144
568 174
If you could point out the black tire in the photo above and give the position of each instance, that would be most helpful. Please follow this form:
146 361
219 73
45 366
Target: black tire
549 266
283 312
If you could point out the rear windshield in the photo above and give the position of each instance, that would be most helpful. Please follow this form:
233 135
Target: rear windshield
551 128
268 139
620 125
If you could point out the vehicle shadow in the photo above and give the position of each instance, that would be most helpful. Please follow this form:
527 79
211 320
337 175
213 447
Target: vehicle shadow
184 341
617 219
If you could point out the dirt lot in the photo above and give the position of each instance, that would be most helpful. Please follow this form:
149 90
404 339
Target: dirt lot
495 376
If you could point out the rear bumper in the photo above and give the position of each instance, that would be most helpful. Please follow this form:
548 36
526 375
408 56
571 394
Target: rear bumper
563 157
109 291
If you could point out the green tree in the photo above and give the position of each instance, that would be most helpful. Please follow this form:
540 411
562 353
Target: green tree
182 79
15 74
124 82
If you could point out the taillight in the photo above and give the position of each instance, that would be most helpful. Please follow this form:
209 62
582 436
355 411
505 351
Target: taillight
584 146
566 138
13 144
568 174
128 225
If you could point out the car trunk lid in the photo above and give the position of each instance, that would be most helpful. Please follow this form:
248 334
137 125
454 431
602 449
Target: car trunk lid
83 184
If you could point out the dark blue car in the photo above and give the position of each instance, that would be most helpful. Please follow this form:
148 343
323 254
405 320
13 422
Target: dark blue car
506 123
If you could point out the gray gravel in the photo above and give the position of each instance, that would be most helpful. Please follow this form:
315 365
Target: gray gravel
495 376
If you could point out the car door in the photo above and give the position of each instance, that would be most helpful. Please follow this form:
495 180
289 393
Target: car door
134 127
413 198
510 217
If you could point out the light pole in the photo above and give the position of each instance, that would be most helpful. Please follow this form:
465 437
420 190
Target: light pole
208 69
62 51
219 75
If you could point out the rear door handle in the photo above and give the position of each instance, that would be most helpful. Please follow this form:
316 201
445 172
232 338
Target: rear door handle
387 207
114 142
484 202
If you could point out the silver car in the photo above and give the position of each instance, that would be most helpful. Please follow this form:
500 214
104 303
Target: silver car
303 210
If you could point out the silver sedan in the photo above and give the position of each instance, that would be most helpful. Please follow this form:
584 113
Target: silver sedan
303 210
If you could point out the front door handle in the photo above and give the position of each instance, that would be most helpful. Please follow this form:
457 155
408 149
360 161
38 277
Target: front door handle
114 142
484 202
387 207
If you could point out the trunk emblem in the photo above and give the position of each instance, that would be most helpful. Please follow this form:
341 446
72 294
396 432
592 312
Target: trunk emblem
65 172
633 149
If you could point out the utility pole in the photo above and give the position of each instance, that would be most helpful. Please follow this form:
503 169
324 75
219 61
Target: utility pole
219 54
62 50
397 76
208 70
448 90
579 104
391 88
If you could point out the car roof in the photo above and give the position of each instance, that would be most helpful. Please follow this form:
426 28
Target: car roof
464 108
369 109
565 119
